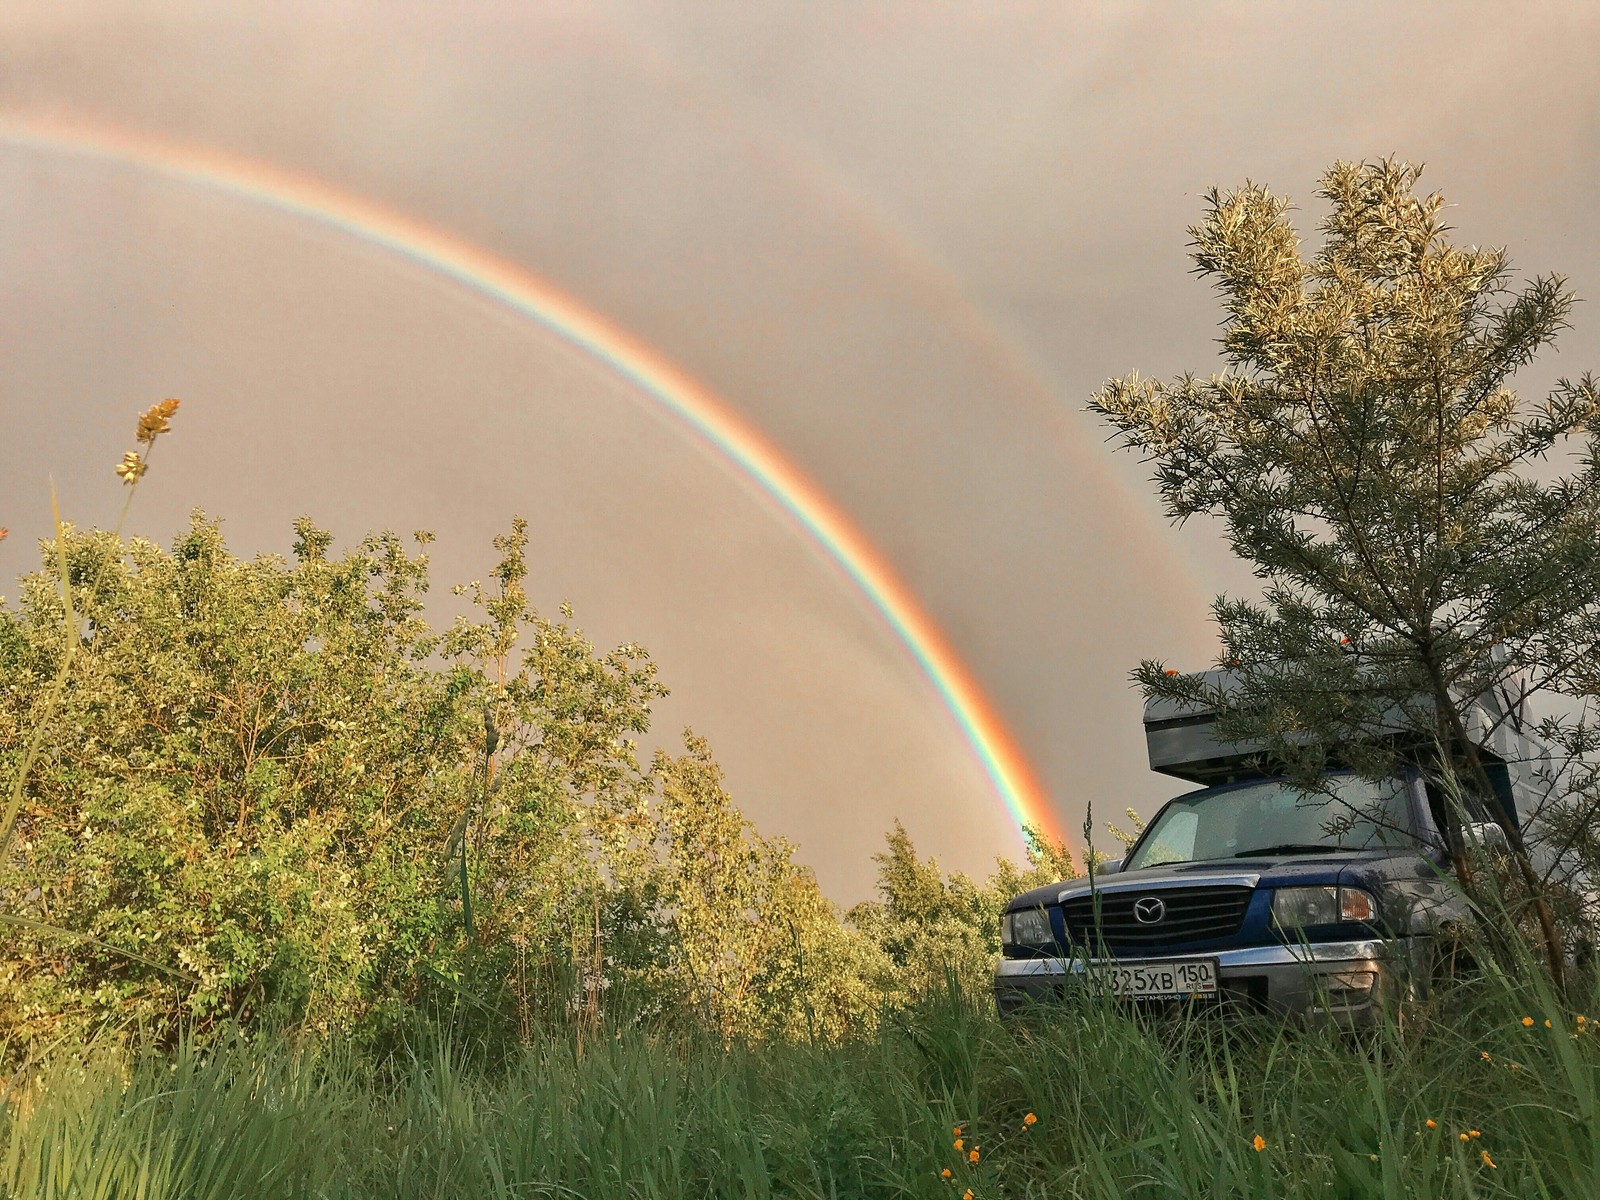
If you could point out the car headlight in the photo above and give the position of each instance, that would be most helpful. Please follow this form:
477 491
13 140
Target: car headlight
1299 907
1026 927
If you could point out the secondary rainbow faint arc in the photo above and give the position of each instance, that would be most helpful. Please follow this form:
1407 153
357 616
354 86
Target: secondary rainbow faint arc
519 289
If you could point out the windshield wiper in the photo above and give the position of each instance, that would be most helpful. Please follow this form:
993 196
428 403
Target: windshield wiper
1288 848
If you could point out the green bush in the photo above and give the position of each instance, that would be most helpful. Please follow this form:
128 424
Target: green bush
270 792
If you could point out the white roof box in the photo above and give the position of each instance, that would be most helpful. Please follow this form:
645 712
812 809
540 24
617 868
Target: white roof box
1182 741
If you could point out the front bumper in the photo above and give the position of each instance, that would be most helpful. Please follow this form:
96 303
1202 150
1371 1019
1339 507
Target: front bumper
1327 982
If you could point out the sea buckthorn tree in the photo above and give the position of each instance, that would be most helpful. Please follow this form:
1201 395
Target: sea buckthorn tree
1368 457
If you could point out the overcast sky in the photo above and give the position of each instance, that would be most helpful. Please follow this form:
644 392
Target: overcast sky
905 241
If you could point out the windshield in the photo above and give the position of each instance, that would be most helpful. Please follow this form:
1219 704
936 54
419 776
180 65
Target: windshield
1275 817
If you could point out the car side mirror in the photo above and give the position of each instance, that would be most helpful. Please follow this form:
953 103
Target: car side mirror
1110 867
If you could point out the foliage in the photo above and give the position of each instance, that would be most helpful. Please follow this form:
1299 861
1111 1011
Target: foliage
933 927
1127 837
760 949
270 792
269 795
153 423
208 799
1371 461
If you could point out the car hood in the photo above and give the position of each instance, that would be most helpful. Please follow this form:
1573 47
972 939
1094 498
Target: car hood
1285 870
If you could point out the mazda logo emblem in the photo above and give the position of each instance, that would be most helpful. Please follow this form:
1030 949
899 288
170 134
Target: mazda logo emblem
1148 910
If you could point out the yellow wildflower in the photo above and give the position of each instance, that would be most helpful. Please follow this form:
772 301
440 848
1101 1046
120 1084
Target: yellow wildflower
1432 1124
1473 1133
958 1143
1547 1024
131 467
1462 1136
1485 1056
1030 1119
1527 1022
945 1174
972 1156
154 421
1489 1162
956 1132
1259 1143
967 1195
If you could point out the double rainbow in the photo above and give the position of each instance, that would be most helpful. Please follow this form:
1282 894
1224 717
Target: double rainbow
525 293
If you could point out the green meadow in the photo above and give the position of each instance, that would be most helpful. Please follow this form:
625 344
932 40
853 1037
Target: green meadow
1465 1099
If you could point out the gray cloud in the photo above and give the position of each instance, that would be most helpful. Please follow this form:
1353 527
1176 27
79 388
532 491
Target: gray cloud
905 244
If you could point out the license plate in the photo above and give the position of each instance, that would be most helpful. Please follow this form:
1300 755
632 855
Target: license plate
1176 979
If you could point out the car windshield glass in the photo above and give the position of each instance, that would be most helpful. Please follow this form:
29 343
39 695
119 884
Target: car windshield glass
1275 817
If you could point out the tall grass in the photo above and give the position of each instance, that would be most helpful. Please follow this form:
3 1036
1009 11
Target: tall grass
1124 1107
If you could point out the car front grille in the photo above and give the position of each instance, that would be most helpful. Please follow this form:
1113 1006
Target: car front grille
1189 914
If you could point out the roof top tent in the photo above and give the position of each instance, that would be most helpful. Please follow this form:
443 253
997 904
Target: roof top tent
1182 742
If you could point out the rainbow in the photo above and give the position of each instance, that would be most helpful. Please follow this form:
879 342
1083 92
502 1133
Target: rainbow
518 289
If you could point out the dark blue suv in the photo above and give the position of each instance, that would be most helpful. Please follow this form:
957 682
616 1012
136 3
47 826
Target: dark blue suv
1321 904
1317 904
